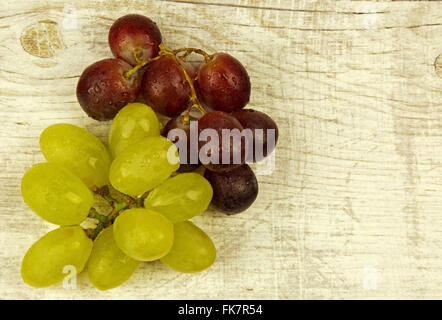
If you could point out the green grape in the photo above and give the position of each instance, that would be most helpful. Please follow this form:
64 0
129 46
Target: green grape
192 251
56 194
142 234
108 267
144 165
44 263
77 150
181 197
131 124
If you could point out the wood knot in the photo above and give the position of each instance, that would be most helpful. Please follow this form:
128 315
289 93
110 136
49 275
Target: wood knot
42 39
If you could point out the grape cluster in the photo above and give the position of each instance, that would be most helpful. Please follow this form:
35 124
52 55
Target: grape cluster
148 222
146 172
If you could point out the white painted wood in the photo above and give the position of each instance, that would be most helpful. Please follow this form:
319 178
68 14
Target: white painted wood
356 192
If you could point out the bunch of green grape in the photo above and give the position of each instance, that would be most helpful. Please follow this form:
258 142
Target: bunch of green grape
150 223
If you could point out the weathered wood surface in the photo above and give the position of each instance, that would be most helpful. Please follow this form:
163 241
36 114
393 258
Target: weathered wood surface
354 206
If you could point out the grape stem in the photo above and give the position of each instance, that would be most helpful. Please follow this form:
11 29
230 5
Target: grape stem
117 207
187 51
140 65
193 98
173 54
93 233
137 54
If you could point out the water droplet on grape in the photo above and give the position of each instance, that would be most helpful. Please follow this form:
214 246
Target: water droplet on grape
97 88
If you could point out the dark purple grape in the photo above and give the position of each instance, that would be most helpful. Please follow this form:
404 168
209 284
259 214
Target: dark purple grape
223 83
165 88
187 164
134 34
268 138
233 191
103 90
211 153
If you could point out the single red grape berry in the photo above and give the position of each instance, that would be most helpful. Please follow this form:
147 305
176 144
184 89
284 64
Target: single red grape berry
233 191
223 83
266 138
175 130
103 89
165 88
227 150
134 35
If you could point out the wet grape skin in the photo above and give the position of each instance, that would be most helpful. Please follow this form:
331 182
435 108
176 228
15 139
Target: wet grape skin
233 191
103 90
134 33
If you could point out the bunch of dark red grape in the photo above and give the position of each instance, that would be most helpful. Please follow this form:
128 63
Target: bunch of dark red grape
211 95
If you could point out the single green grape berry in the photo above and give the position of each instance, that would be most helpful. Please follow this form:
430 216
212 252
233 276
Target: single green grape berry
77 150
192 251
144 165
53 256
55 194
181 197
131 124
143 234
108 267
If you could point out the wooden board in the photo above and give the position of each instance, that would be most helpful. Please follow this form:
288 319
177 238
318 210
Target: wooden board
353 208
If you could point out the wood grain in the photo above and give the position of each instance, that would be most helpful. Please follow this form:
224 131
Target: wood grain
353 207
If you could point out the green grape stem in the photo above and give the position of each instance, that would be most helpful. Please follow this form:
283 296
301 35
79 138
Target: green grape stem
93 213
93 233
117 207
116 210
